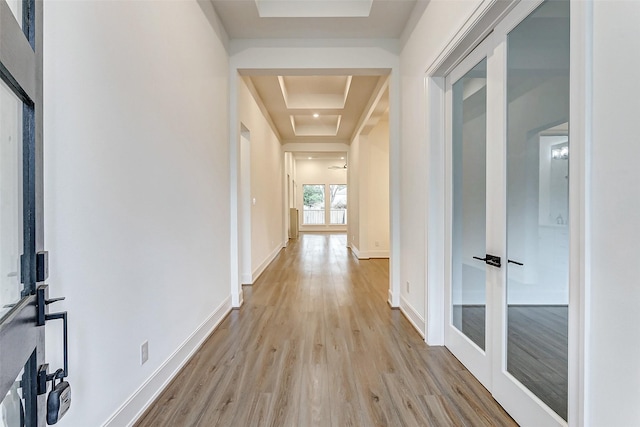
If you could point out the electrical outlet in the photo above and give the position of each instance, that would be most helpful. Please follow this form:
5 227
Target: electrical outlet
408 287
144 352
377 244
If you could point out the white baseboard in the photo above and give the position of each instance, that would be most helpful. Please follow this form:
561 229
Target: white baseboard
323 229
355 250
368 254
246 279
374 254
262 267
412 316
145 395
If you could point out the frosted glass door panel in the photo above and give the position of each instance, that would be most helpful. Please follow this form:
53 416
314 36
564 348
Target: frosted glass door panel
10 198
469 123
538 154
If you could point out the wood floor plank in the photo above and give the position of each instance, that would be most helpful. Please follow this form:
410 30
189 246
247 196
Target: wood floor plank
407 405
437 412
374 398
316 344
259 413
314 397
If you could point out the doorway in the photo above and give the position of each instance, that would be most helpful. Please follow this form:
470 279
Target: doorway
507 212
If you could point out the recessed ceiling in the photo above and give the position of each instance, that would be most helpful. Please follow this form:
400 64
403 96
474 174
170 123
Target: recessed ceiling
321 92
325 19
313 8
315 125
325 155
318 108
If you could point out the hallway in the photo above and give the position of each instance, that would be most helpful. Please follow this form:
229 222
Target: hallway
316 344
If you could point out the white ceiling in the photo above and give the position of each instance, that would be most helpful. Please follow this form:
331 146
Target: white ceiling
387 19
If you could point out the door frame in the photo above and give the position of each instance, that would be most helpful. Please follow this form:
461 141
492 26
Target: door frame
473 31
21 69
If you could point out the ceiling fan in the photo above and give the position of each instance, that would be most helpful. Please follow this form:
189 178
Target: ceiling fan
338 167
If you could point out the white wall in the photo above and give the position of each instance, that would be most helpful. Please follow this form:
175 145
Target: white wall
353 215
136 194
316 171
244 208
438 24
613 346
288 194
369 177
378 183
267 168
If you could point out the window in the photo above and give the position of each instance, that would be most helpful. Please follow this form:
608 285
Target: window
338 201
313 204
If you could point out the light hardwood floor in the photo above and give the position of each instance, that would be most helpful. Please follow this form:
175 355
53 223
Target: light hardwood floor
315 344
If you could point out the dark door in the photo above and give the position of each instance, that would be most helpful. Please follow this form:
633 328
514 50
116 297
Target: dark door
21 221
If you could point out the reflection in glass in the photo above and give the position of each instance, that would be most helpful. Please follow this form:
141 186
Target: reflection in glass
12 406
469 122
538 153
10 198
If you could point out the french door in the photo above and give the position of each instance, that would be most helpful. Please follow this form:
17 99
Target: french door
507 270
22 261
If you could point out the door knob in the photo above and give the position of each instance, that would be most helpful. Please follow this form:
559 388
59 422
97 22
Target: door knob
489 259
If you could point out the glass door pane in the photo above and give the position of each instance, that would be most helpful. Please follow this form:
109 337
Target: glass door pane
537 203
12 406
11 234
468 275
